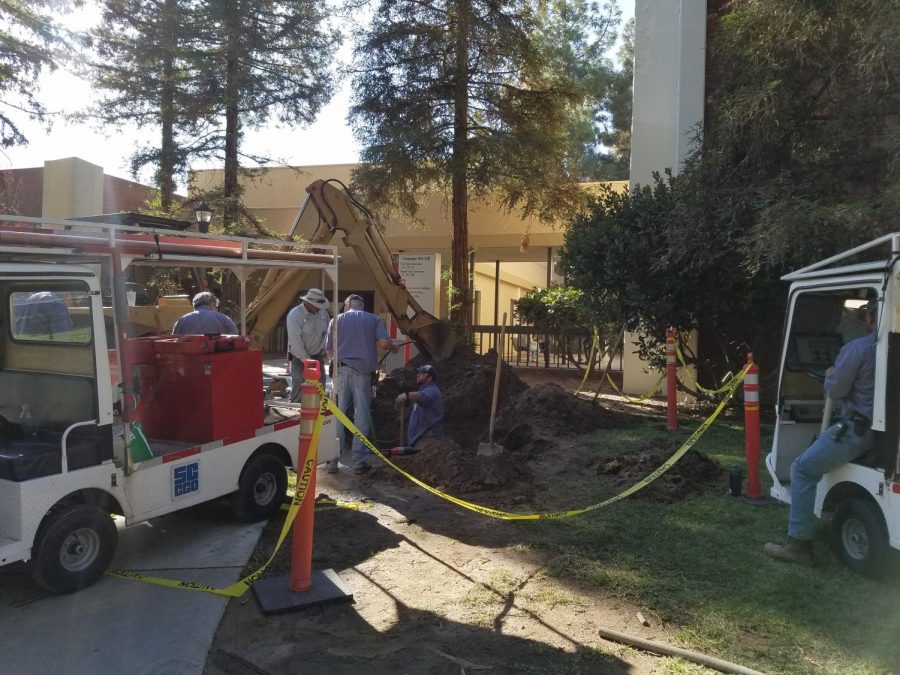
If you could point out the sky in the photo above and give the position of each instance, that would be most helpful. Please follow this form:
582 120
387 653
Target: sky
329 140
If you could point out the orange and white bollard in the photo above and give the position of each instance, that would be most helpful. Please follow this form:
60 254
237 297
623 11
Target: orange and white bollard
751 428
301 546
671 379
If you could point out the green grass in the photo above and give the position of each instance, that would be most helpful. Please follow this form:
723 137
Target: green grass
698 564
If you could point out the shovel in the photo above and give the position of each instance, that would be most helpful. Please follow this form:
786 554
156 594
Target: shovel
490 449
402 430
402 449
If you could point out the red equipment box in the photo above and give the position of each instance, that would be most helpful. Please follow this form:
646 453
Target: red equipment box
201 344
199 397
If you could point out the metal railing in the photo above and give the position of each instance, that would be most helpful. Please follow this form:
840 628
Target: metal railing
530 347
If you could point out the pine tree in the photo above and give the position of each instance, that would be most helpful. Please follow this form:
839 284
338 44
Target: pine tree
577 36
263 59
463 97
144 63
27 38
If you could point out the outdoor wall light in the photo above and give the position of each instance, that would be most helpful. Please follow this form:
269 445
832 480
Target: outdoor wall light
204 215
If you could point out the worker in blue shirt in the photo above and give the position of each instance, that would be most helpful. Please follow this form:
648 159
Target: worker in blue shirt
359 334
851 380
204 320
427 418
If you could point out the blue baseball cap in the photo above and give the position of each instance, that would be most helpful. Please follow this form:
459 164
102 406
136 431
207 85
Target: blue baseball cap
428 370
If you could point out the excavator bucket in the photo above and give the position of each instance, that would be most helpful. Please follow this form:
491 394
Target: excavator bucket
434 337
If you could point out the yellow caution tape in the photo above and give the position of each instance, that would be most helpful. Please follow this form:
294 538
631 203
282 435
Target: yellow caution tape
687 371
237 589
240 587
504 515
650 394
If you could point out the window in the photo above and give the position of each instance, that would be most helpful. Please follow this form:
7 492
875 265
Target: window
822 322
44 315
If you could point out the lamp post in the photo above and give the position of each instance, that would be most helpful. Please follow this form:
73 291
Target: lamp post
203 214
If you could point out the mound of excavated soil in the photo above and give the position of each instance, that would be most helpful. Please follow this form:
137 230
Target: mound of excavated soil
446 466
529 422
694 473
466 382
552 411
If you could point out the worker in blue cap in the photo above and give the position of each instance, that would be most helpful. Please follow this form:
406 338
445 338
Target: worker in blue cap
427 418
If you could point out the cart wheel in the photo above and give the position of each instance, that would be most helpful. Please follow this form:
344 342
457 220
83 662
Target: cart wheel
73 547
261 488
860 538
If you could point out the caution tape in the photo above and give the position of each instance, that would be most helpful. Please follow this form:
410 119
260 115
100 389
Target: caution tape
686 369
650 394
240 587
237 589
505 515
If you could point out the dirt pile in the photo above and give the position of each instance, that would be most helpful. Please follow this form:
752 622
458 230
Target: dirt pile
466 382
529 422
694 473
554 412
446 466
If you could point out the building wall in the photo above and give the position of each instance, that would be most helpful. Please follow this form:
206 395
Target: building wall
67 188
72 187
125 196
21 191
278 195
669 75
669 84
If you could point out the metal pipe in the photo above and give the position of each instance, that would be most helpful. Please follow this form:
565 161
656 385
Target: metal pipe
64 459
666 650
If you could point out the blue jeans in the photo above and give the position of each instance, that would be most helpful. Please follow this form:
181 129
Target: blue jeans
825 454
297 375
353 386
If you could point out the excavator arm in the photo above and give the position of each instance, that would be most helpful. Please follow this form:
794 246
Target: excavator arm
340 211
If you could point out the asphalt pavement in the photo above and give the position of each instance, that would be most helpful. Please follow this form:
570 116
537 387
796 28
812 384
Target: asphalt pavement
129 627
125 626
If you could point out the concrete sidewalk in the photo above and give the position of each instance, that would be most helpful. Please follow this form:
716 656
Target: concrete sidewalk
123 626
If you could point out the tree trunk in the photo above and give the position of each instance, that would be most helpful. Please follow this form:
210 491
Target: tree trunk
230 188
461 302
165 177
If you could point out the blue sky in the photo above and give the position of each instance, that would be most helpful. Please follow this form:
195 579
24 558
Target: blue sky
327 141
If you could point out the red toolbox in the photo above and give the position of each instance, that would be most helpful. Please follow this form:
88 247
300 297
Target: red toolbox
201 344
202 396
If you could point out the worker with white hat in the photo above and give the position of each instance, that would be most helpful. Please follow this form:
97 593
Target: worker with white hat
307 324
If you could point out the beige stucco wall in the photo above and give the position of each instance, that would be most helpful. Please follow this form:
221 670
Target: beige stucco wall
638 379
72 188
278 195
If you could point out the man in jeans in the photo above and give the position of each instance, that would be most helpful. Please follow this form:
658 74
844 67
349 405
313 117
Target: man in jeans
359 333
851 380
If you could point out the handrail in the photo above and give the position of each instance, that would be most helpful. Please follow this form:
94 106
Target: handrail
64 460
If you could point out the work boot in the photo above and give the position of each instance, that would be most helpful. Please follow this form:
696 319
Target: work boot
794 551
332 466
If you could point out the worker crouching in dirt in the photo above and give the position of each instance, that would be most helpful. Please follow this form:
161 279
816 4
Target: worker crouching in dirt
427 418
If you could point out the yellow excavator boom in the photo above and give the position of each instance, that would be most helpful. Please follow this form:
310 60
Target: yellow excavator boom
341 212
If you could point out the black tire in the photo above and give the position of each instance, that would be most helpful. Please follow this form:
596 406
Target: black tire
261 488
860 538
73 547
